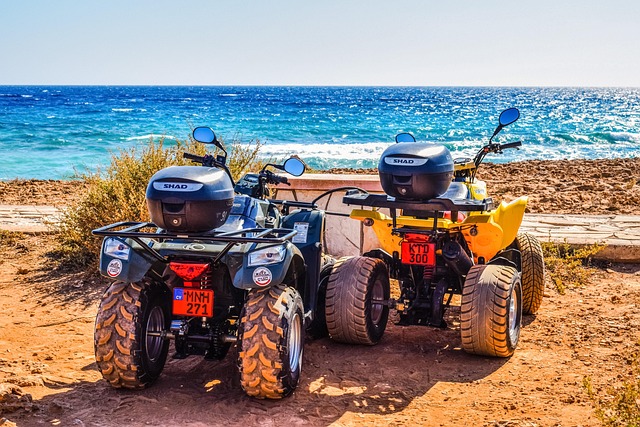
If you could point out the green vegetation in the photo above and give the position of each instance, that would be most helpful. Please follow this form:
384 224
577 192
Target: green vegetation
568 266
118 192
618 406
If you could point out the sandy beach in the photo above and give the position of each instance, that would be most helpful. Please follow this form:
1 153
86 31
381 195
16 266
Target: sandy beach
415 376
590 187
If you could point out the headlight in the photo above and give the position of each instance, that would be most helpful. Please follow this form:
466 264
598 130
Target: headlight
116 249
266 256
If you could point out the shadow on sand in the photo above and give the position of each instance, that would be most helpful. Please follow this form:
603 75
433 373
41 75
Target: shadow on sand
336 379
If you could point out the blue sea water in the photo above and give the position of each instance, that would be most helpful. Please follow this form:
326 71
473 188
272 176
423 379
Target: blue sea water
51 132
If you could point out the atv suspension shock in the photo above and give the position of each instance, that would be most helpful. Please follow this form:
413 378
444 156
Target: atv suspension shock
429 271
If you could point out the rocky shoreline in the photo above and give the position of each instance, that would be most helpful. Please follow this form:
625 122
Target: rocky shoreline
590 187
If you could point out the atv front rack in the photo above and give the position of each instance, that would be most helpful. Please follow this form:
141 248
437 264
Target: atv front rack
131 230
420 208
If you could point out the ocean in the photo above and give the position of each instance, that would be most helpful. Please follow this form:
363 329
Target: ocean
52 132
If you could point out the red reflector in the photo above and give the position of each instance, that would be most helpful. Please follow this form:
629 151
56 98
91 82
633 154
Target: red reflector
461 216
409 237
188 271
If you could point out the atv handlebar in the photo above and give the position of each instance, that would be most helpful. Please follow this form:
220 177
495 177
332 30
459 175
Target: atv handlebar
494 148
515 144
286 204
297 204
206 160
497 148
277 179
194 157
210 161
271 178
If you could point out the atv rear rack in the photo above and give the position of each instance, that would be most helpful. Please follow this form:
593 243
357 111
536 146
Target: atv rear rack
420 208
132 231
431 205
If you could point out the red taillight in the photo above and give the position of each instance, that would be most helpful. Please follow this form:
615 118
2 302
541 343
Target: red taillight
461 216
188 271
410 237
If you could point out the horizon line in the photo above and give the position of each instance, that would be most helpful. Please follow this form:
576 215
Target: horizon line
318 85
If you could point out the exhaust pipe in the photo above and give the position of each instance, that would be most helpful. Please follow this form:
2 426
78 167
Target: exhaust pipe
456 258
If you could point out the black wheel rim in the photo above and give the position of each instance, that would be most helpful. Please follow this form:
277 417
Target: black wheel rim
377 307
155 325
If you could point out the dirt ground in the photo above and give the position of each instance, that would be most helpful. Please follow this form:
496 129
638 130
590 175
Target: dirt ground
415 376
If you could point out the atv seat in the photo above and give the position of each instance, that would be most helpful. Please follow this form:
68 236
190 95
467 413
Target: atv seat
456 190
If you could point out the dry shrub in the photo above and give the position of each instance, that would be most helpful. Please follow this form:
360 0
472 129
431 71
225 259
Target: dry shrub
118 193
244 158
9 238
569 266
617 406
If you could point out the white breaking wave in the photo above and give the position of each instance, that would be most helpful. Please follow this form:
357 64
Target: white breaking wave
357 151
368 154
626 137
150 136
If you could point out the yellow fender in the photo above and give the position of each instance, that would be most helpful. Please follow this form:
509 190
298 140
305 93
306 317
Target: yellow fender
491 231
382 225
495 230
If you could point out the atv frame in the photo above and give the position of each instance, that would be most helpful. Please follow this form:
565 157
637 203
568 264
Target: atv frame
265 314
428 251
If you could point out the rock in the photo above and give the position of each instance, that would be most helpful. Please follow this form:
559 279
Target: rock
59 405
12 397
27 381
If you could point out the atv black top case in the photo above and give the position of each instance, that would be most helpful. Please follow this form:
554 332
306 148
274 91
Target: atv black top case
415 171
189 198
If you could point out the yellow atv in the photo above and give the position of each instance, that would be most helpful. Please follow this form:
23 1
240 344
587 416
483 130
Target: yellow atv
442 236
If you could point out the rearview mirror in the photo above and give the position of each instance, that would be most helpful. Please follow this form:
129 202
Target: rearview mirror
405 137
294 166
204 134
509 116
207 136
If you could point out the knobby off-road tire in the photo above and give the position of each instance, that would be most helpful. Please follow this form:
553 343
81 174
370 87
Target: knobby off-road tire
491 310
126 355
357 292
271 342
532 264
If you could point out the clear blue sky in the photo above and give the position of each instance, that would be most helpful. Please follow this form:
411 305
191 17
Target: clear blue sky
322 42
